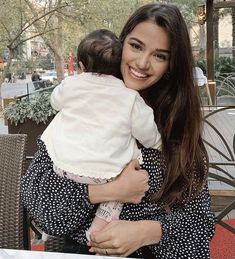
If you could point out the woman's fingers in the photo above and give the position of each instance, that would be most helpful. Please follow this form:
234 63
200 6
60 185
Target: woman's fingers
117 239
110 247
134 164
104 238
100 237
107 252
133 182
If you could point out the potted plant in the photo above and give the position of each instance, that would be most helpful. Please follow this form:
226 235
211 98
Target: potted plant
30 115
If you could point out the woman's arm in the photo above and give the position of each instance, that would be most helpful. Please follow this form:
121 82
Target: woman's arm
130 186
188 229
60 206
183 233
125 237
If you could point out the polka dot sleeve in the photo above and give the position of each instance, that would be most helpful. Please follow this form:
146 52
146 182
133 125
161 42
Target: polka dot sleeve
57 205
187 229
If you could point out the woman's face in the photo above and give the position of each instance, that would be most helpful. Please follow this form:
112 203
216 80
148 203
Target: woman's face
145 55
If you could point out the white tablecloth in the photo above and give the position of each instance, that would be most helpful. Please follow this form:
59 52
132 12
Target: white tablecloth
23 254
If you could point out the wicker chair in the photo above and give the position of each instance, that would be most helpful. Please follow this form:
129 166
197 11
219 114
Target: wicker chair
13 220
55 244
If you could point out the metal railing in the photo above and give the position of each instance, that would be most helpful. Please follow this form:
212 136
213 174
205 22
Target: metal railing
218 170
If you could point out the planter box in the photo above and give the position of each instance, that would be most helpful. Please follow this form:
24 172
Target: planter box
32 129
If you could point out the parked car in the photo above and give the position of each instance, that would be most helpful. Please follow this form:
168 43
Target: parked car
49 75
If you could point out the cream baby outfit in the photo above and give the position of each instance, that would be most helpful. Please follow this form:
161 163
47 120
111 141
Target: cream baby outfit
94 133
93 137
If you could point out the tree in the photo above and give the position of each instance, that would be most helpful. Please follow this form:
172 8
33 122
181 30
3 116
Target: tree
83 16
15 23
62 23
45 62
54 24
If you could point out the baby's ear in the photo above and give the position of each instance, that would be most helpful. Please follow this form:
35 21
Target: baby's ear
81 67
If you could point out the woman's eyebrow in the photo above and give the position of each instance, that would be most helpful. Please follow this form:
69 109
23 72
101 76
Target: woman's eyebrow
164 50
140 42
136 39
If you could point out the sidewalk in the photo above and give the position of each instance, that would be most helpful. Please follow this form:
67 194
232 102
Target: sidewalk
3 128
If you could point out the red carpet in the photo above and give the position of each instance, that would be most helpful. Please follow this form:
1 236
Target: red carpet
222 245
37 245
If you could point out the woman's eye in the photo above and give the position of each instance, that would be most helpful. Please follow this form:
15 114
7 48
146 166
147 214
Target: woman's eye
135 46
161 57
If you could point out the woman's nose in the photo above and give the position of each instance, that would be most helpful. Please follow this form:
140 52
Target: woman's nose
143 62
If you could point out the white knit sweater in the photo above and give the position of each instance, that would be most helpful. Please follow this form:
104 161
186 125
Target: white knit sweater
94 133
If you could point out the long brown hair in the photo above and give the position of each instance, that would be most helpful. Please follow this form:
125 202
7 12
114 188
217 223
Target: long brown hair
176 104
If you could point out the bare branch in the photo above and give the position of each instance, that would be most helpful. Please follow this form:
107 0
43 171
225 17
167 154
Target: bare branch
4 26
36 35
34 21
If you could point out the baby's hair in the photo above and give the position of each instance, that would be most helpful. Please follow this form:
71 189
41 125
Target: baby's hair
100 52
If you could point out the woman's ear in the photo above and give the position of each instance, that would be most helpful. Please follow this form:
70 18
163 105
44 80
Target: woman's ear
81 67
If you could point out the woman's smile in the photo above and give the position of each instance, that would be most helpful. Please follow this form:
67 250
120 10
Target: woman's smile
137 74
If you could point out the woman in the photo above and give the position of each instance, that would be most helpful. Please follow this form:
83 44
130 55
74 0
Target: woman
173 220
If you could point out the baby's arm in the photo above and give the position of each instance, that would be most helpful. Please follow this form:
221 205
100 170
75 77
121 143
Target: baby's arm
144 128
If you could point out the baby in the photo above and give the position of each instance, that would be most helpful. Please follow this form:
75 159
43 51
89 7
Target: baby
93 136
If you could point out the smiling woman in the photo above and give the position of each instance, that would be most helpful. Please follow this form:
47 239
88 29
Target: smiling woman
145 61
156 60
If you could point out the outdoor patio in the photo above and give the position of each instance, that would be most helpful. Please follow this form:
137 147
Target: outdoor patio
218 106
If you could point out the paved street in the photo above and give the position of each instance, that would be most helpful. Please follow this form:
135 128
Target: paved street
21 87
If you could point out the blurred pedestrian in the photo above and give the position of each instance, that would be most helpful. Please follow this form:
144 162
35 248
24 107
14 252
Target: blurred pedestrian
36 80
9 76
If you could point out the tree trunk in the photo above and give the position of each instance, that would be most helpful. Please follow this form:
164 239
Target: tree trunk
53 40
59 65
59 50
5 72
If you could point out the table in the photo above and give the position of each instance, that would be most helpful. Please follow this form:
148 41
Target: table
25 254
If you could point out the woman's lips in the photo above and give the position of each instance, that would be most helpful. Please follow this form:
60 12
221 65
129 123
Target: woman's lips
136 74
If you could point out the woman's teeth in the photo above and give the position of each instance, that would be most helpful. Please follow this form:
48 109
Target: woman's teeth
136 73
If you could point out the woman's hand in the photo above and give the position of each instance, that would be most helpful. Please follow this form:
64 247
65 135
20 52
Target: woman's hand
122 238
118 238
129 187
131 184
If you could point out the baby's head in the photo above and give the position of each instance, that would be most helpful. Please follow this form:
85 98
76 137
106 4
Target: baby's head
100 52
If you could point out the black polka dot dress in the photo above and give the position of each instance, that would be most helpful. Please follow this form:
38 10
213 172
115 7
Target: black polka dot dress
60 207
